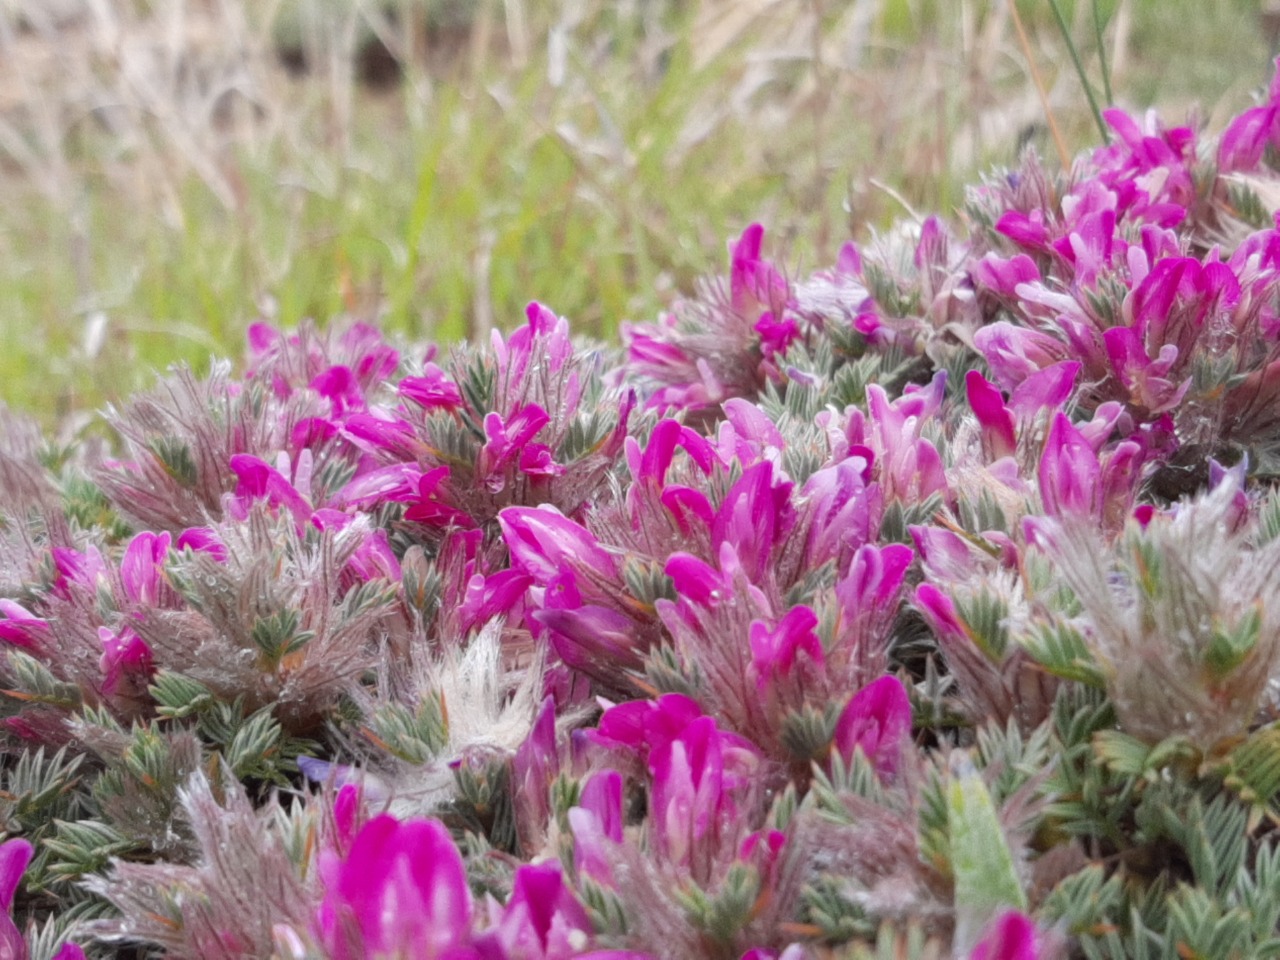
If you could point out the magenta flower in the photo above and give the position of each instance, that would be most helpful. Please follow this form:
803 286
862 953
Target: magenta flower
374 559
202 540
369 356
753 282
339 386
397 483
592 627
910 467
642 726
1015 353
533 768
841 507
124 654
383 435
944 554
142 567
1003 276
700 780
999 438
488 596
774 650
877 721
84 570
542 919
1025 229
544 543
544 333
748 435
507 439
1148 168
1247 136
430 509
776 335
1012 937
258 480
1069 472
756 514
597 826
1075 480
401 891
15 854
868 595
21 627
1045 389
431 391
650 465
598 640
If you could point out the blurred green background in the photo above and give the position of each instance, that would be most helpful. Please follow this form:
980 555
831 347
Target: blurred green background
172 170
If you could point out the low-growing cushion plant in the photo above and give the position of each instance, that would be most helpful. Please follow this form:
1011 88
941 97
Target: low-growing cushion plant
924 606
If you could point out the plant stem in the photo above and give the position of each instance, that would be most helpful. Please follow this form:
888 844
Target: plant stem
1023 42
1102 55
1084 80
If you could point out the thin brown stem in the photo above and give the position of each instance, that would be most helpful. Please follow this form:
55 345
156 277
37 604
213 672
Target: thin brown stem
1023 42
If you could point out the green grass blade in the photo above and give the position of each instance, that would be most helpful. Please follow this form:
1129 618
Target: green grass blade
1084 80
1103 66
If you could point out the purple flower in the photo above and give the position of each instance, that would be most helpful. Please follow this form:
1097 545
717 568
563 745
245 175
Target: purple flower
261 481
698 783
1069 471
384 435
597 826
642 726
877 721
533 768
748 435
397 483
494 595
507 438
429 509
998 425
774 650
15 854
755 515
202 540
339 386
544 543
910 466
753 282
1014 352
431 391
868 594
84 570
1002 276
1247 136
374 559
1012 937
841 509
776 335
544 333
1027 230
541 921
1044 389
142 567
650 465
400 891
124 653
21 627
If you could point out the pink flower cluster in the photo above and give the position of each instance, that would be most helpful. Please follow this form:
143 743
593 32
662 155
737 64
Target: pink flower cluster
686 655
